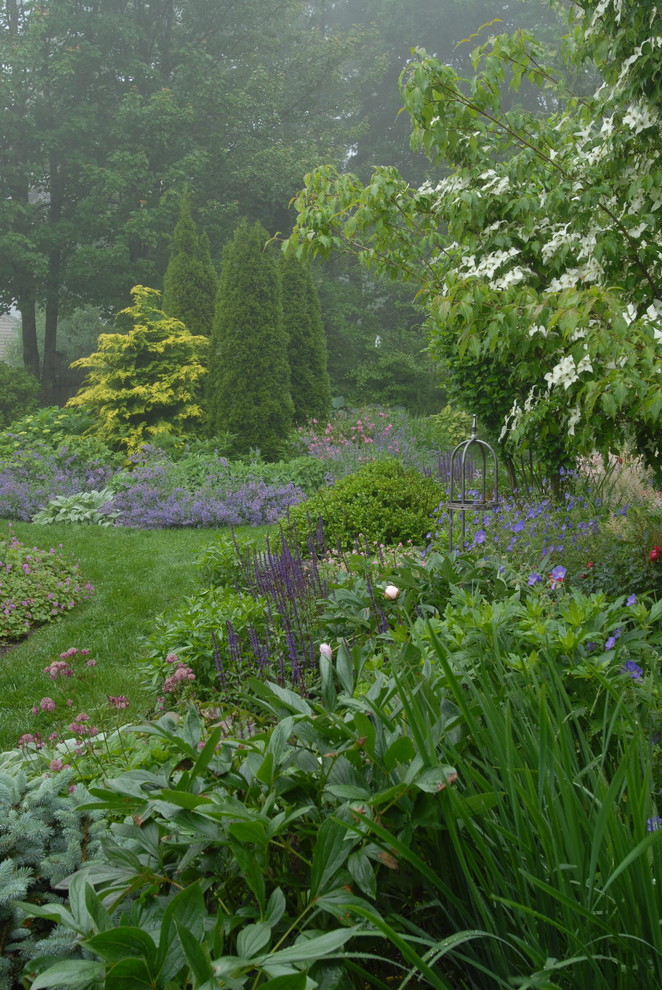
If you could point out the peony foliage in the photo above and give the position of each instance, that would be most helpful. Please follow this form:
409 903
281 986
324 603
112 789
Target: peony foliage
537 250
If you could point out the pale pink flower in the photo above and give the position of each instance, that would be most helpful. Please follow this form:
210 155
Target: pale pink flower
118 701
181 673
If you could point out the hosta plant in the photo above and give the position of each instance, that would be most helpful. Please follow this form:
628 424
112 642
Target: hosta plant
81 508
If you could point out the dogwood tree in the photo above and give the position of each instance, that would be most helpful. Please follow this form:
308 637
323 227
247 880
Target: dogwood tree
536 248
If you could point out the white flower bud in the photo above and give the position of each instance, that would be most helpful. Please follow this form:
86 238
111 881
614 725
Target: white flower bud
326 651
391 592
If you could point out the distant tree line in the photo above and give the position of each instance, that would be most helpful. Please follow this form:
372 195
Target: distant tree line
110 110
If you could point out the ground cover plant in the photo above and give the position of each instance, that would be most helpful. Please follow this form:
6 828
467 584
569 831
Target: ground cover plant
36 586
602 536
83 481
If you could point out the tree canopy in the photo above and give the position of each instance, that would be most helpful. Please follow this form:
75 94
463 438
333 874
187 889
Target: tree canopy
110 109
537 255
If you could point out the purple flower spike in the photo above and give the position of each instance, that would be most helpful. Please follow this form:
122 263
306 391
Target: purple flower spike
654 823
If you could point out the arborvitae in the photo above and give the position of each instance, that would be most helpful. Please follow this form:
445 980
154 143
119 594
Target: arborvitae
307 351
249 380
189 284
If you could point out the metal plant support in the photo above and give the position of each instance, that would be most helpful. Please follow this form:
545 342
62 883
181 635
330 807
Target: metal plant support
473 498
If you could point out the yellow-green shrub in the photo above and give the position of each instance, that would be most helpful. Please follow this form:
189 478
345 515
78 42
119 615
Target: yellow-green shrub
146 382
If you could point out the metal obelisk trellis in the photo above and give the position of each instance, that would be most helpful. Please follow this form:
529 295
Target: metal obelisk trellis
473 498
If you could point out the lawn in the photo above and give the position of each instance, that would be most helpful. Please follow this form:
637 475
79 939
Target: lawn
137 574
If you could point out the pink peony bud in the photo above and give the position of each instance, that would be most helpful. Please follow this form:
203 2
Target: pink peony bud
326 651
391 592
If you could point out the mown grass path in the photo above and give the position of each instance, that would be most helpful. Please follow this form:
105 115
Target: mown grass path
136 575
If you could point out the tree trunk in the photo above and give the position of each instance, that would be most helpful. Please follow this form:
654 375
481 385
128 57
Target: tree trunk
28 310
52 281
48 374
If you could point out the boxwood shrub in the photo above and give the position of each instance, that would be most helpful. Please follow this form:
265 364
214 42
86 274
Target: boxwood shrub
382 502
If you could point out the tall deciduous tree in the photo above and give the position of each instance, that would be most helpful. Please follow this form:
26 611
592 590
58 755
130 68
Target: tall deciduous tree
189 284
107 109
538 256
249 381
306 349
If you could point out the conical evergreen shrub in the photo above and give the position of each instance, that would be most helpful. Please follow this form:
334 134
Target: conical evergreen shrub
307 349
146 382
189 284
249 381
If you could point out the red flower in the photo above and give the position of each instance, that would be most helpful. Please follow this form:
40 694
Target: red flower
656 553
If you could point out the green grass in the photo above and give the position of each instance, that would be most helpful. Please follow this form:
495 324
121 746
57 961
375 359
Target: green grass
137 574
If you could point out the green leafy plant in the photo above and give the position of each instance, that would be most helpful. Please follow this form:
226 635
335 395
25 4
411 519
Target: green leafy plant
81 508
209 632
442 431
19 393
35 587
382 502
222 562
51 427
389 780
251 848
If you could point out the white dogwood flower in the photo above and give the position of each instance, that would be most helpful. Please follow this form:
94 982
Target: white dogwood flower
573 419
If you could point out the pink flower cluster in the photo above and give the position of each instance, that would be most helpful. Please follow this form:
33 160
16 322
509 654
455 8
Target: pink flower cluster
58 668
30 737
118 701
337 438
181 673
62 667
45 705
80 728
57 765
